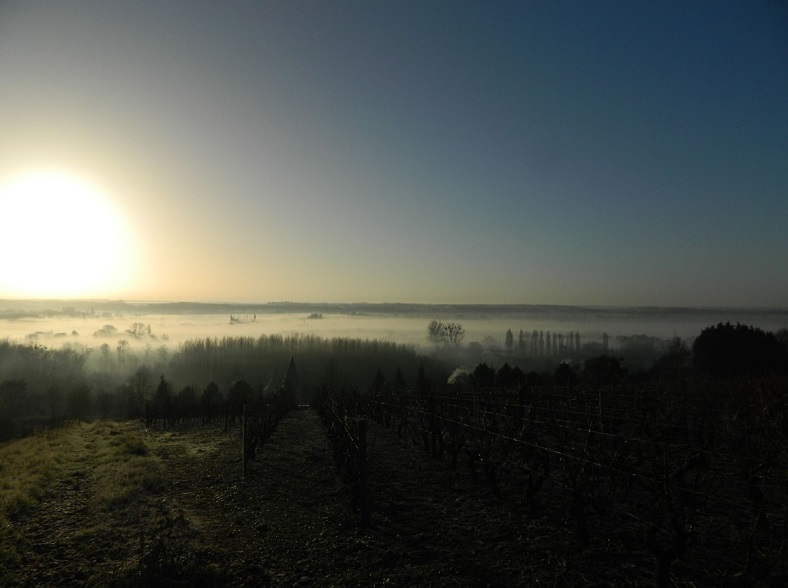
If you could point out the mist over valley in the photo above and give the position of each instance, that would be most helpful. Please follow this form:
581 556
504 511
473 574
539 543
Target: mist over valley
53 323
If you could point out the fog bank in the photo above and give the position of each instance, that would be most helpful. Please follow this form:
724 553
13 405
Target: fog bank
94 323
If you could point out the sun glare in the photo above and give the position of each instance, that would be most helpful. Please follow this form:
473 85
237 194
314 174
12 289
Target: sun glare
60 236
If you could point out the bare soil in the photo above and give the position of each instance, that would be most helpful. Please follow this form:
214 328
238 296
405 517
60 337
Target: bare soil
289 523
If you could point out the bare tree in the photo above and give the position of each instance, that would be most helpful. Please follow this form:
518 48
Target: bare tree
435 332
140 384
448 333
455 333
123 349
163 353
137 330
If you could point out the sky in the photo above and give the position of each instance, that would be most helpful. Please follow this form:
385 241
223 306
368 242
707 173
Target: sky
581 153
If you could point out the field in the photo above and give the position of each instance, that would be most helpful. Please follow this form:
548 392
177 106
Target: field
114 503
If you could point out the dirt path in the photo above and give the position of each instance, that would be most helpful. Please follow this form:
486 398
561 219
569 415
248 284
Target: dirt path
287 523
302 510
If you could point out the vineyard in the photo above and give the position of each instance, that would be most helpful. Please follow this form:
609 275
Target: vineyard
559 486
695 476
581 475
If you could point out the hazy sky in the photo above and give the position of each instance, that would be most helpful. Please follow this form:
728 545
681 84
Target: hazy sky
598 153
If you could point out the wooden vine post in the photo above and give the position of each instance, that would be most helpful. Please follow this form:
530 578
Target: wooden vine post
243 443
363 478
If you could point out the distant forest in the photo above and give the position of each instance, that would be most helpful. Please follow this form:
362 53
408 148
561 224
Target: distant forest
42 386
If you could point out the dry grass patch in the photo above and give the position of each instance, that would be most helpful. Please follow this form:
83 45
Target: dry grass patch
106 464
29 467
112 460
124 466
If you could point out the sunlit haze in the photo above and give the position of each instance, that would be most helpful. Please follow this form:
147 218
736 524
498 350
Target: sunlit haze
62 238
588 153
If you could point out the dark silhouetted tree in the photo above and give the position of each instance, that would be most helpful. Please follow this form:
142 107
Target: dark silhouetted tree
187 403
240 394
782 338
400 385
12 397
483 376
139 386
210 401
533 379
54 396
674 364
79 402
104 403
506 377
509 341
292 383
422 381
603 370
564 375
729 351
162 401
378 381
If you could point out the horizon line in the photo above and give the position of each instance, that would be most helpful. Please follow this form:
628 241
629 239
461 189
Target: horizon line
107 300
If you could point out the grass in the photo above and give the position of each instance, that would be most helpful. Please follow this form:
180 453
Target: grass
112 459
125 467
87 492
107 462
29 467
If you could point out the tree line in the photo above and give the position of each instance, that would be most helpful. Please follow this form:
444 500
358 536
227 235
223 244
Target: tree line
43 387
722 351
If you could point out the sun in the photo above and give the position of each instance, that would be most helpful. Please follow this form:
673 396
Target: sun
61 237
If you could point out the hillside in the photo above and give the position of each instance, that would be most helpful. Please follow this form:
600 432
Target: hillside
113 504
